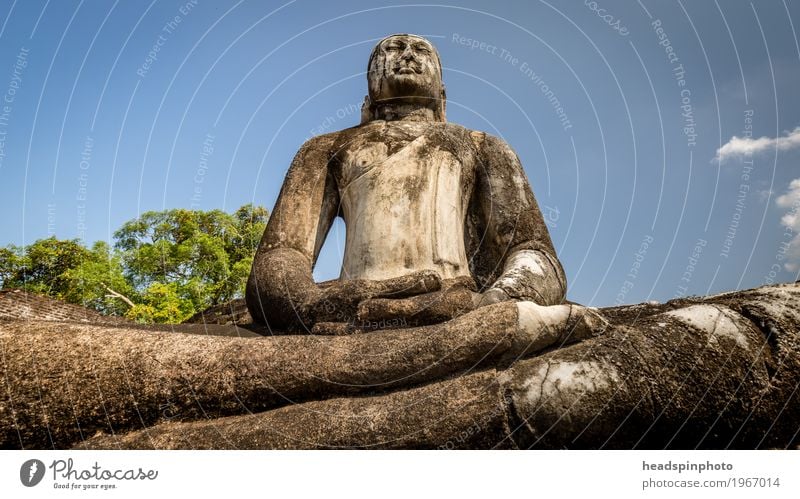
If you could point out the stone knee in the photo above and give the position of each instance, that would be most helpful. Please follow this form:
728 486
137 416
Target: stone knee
557 401
545 326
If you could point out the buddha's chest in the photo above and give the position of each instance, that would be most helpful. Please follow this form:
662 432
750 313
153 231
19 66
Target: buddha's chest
404 197
403 159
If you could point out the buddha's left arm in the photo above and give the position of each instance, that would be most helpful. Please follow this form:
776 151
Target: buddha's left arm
515 226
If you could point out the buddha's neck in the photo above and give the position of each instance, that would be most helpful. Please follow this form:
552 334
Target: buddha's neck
405 112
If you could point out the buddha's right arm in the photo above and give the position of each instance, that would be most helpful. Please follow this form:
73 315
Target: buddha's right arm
281 290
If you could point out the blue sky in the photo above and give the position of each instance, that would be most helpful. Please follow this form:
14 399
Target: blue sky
660 138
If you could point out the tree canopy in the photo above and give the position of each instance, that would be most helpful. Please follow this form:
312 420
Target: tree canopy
164 266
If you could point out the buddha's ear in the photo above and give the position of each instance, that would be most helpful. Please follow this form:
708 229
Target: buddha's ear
440 108
366 110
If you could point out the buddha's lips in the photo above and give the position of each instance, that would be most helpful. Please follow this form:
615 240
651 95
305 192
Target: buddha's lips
407 70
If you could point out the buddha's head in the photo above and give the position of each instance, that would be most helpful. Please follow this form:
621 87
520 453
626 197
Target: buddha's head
405 69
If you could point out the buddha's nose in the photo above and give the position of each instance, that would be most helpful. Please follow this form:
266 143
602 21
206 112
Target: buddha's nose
408 53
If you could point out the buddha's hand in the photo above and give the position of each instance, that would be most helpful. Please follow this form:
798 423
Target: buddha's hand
338 301
429 308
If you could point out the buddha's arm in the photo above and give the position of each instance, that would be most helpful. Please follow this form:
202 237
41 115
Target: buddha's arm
515 226
281 280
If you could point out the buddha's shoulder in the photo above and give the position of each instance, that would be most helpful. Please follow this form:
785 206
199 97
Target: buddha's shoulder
321 142
478 137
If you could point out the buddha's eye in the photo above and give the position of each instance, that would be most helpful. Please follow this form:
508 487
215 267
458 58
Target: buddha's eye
422 49
393 47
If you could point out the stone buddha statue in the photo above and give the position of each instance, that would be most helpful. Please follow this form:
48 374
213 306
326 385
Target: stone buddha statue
448 253
440 219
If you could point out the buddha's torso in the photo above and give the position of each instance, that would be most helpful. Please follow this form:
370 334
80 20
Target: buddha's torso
404 189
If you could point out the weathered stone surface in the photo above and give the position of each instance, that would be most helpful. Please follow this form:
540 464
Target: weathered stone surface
695 376
465 412
69 380
18 304
233 312
715 372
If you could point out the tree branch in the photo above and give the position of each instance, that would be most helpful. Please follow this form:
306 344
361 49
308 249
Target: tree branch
114 294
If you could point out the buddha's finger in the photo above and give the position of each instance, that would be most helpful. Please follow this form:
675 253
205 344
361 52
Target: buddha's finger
425 281
378 309
429 308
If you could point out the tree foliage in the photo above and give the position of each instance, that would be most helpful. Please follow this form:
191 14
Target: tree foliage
164 266
97 280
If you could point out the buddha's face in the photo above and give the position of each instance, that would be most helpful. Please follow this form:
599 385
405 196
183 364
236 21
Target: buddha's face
405 68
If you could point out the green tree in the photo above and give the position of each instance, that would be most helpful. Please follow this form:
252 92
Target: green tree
41 266
164 267
98 282
67 270
161 302
205 254
10 260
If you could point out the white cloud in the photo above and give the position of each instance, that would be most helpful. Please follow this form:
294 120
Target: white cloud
791 220
738 147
